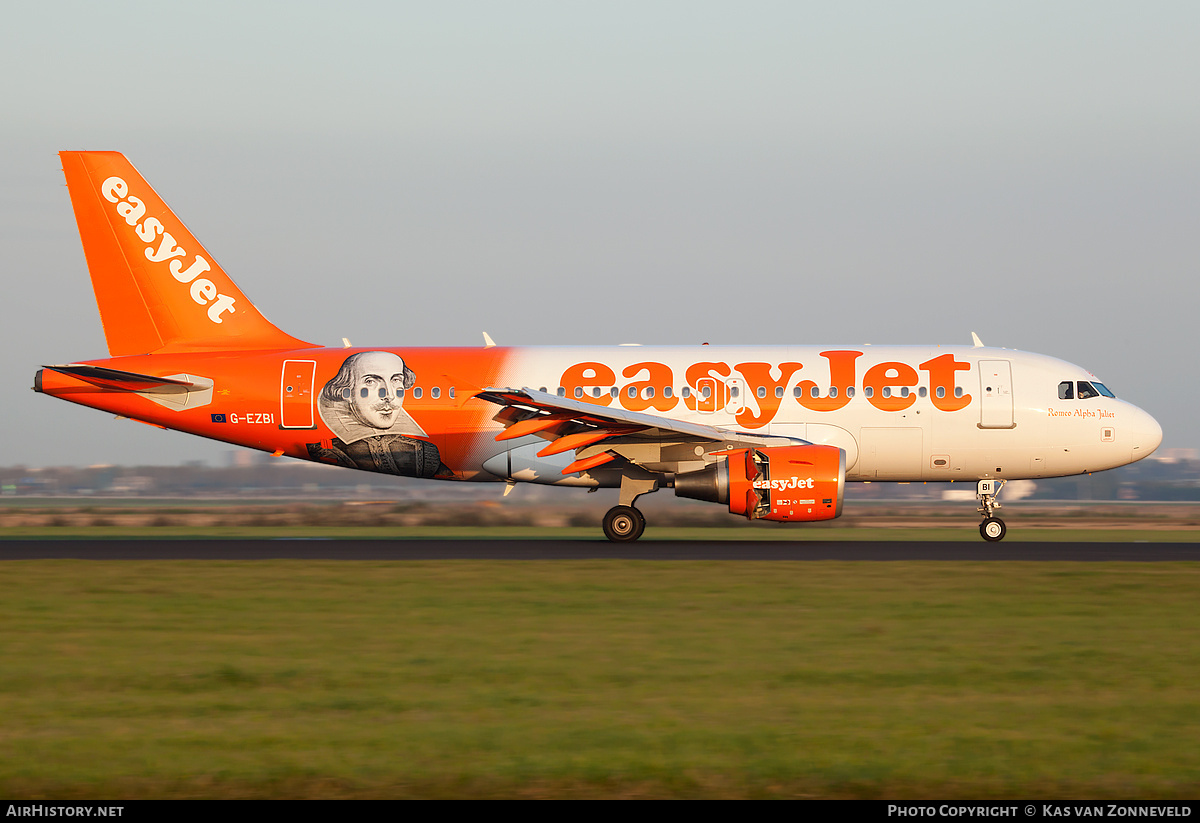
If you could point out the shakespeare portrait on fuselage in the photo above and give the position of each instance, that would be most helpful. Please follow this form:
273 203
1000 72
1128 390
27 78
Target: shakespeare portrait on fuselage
771 433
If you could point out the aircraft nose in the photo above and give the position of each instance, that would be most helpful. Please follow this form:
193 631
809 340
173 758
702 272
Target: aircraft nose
1146 434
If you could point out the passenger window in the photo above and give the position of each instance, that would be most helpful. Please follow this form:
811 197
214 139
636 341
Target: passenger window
849 391
1066 390
687 391
833 391
762 392
779 391
667 392
562 392
578 391
417 392
707 392
797 392
435 392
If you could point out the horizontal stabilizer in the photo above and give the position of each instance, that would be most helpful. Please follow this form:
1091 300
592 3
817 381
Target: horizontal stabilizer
120 380
175 391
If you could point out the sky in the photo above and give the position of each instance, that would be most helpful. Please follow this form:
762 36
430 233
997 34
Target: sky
655 172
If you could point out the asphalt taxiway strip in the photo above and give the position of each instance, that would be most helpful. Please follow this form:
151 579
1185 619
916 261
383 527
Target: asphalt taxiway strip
336 549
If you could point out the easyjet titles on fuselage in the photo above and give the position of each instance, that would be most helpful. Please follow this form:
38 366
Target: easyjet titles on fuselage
885 385
203 291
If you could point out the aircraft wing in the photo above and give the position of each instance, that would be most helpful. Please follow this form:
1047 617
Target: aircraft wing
600 434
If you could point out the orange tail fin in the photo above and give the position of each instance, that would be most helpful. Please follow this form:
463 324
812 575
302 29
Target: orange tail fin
156 286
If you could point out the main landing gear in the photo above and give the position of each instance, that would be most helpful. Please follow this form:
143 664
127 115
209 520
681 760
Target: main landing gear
624 524
992 529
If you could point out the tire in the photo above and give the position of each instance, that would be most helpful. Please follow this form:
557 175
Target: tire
992 529
623 524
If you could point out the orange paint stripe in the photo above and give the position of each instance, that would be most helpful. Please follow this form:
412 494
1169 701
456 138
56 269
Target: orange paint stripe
526 427
588 463
575 441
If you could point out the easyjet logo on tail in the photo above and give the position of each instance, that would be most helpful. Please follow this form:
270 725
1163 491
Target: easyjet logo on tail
151 230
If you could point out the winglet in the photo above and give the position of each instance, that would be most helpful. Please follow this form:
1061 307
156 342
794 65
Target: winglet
488 342
976 341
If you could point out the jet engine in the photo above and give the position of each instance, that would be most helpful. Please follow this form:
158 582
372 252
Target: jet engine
791 483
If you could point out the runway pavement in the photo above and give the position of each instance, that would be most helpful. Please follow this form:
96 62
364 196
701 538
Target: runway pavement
337 549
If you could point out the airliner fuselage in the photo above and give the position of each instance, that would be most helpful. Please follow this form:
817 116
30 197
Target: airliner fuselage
772 432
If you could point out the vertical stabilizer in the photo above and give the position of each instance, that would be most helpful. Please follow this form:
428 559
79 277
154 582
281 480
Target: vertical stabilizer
157 288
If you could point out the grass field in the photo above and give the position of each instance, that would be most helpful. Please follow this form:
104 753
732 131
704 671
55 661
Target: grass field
668 519
598 678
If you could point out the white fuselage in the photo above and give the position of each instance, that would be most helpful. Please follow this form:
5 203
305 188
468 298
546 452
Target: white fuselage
901 413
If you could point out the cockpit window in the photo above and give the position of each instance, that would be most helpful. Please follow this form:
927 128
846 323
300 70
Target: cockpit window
1083 389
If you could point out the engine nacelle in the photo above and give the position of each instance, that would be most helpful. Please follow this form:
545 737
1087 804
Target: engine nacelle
800 483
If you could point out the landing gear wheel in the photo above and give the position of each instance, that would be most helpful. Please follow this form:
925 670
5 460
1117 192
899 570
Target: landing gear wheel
993 529
623 524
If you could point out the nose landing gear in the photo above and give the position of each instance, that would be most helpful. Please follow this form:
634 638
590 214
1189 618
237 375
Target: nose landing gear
992 529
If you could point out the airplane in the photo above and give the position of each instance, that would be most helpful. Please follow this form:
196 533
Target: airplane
770 433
